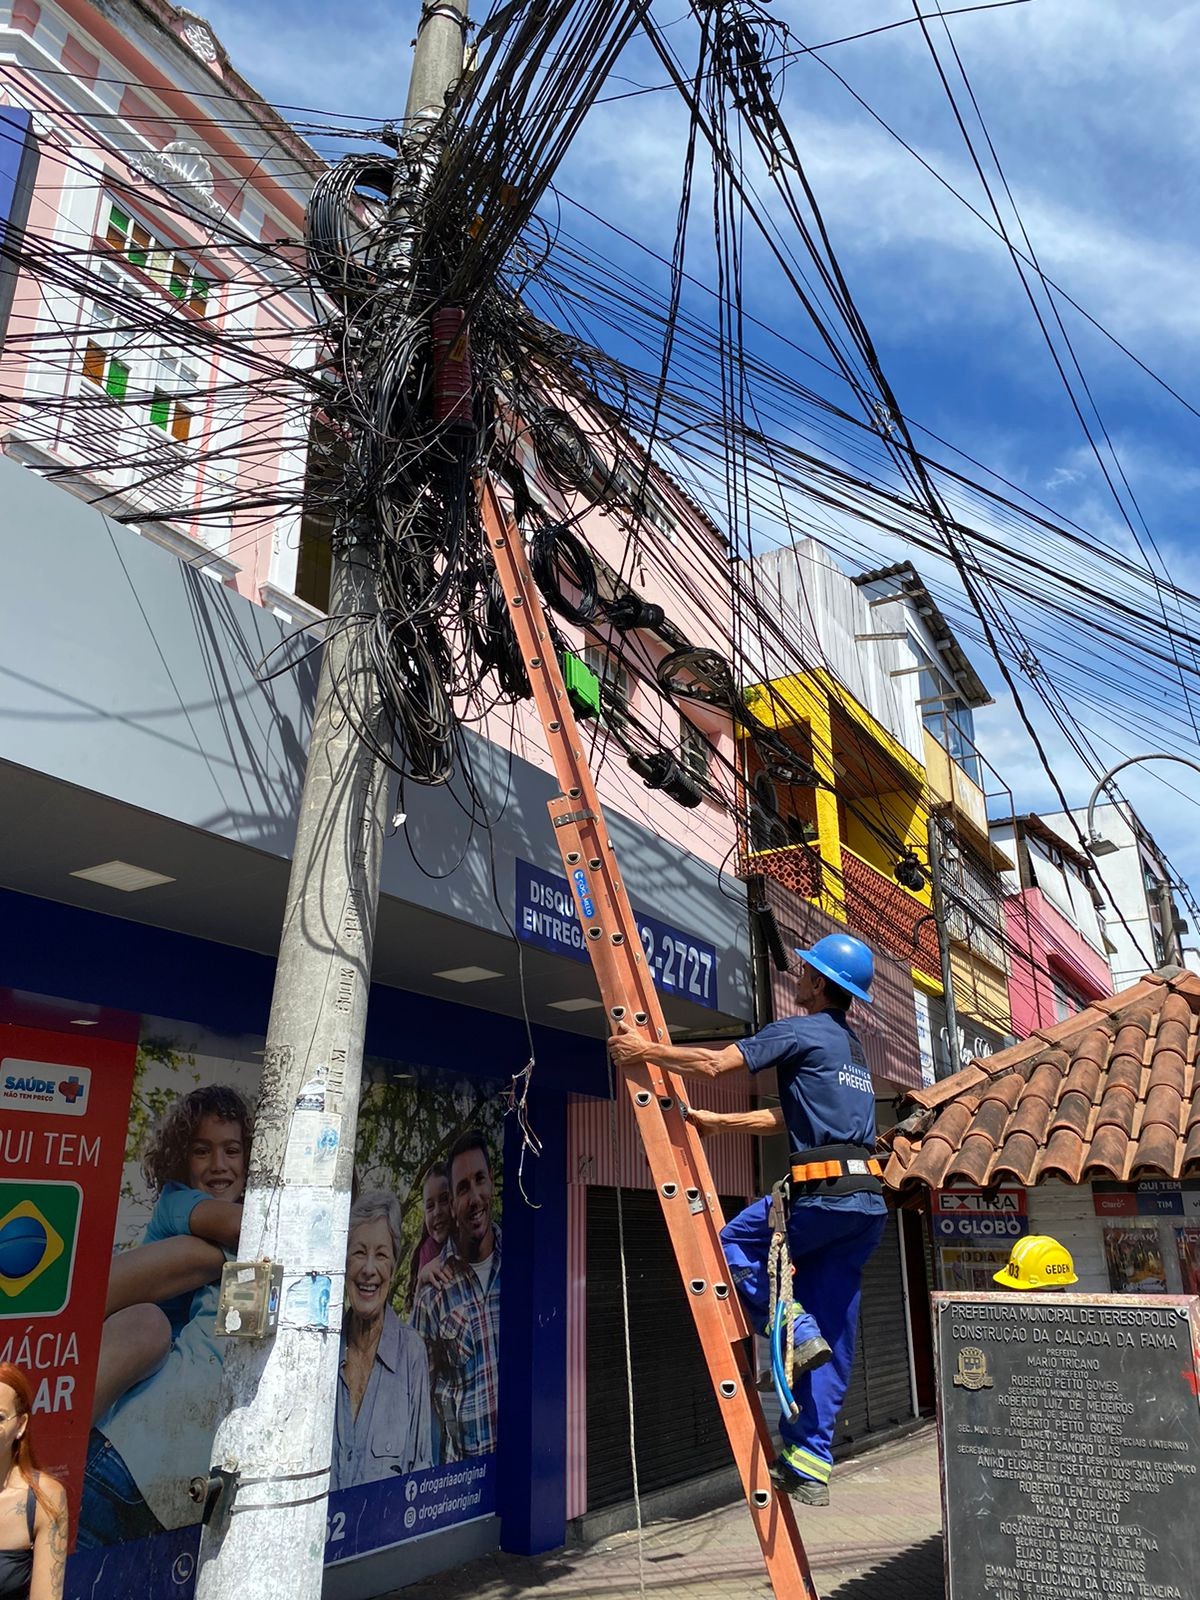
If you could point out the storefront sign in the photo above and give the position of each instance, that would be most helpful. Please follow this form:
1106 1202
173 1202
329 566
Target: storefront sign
1070 1445
1114 1200
979 1226
64 1106
979 1215
1159 1200
1009 1201
970 1269
1154 1198
546 917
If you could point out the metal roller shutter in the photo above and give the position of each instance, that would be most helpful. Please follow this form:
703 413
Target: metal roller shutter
679 1431
880 1393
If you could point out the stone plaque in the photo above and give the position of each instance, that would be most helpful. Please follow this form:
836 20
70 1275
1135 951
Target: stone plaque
1069 1432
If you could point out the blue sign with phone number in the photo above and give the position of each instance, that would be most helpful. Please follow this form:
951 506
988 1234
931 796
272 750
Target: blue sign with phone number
546 917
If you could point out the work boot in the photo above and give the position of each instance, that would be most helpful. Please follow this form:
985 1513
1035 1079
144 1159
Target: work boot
810 1355
794 1484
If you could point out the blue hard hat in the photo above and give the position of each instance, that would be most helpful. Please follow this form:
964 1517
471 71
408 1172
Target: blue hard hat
846 961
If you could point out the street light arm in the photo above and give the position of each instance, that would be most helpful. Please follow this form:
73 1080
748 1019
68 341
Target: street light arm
1154 755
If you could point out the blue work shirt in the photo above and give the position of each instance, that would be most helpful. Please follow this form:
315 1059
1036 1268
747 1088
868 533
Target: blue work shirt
825 1089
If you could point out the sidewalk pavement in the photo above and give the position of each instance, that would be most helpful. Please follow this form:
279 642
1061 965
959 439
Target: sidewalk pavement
880 1539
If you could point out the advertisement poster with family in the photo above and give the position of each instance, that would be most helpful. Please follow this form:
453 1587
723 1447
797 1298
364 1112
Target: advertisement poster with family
417 1395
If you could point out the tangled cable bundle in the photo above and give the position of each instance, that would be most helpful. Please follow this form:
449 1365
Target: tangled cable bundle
741 426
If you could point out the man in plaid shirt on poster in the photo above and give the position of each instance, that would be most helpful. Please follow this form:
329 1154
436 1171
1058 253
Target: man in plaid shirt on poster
460 1319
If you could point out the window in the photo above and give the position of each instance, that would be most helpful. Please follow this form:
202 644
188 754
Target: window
123 357
1066 1001
644 502
170 271
950 722
108 353
105 369
167 410
695 751
614 683
973 913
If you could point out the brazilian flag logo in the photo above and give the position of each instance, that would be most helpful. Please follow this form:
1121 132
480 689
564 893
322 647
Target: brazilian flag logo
38 1225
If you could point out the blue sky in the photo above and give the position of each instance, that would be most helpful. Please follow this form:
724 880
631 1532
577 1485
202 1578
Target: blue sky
1092 110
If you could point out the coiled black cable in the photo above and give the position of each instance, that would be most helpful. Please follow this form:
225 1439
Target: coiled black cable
554 551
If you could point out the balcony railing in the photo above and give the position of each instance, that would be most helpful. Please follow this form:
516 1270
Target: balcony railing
888 915
797 866
875 907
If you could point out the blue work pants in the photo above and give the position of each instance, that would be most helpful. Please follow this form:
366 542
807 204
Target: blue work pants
830 1241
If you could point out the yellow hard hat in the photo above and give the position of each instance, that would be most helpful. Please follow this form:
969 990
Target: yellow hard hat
1037 1262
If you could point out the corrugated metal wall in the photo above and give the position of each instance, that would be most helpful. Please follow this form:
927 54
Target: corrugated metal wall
593 1160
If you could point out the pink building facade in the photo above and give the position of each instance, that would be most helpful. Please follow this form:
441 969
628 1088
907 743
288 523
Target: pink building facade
157 313
150 366
1059 957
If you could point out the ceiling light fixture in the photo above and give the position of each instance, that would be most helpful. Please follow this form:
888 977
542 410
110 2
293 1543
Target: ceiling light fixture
122 875
467 974
85 1022
580 1004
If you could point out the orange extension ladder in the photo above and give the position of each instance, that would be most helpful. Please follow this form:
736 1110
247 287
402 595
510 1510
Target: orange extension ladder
677 1162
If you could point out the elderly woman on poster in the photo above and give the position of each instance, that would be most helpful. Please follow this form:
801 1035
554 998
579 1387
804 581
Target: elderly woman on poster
382 1421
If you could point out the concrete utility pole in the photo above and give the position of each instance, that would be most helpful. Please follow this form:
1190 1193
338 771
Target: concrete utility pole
271 1455
1165 900
942 928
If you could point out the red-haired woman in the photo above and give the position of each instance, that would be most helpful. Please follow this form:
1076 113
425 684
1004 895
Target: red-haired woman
33 1507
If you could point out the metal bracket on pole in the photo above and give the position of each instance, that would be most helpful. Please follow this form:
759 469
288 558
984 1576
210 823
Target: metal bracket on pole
216 1495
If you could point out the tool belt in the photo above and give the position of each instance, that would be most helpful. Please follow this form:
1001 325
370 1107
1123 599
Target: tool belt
836 1169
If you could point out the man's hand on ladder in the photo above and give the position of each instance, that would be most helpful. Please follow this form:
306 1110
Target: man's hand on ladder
628 1048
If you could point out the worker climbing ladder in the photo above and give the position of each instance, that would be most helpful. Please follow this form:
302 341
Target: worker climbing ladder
677 1162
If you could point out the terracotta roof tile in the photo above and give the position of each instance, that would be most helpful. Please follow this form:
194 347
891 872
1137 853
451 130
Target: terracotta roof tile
1111 1093
1031 1117
1168 1072
1117 1109
1125 1068
1045 1081
1064 1155
1016 1159
1106 1159
1007 1091
1074 1111
895 1171
1175 1009
932 1162
973 1161
1084 1078
1094 1047
1157 1152
990 1122
971 1077
1163 1105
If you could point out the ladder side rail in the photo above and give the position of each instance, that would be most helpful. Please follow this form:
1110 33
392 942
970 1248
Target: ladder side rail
677 1162
599 892
575 779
